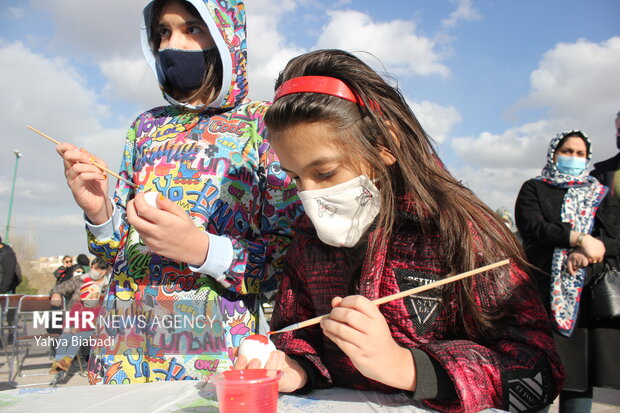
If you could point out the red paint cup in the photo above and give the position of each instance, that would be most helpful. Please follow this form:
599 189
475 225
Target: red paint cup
248 391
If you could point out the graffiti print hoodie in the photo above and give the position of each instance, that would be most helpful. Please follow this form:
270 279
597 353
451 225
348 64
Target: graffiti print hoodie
214 163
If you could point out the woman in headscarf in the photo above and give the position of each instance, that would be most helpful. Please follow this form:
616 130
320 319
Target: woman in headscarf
569 225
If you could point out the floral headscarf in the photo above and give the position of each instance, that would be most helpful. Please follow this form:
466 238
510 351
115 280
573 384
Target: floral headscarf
579 208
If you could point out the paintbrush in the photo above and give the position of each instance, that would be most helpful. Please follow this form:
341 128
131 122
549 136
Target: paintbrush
402 294
103 168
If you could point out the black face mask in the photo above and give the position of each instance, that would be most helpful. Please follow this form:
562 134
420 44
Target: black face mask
185 69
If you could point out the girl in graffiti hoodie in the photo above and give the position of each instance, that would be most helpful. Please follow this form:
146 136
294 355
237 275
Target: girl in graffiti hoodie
188 269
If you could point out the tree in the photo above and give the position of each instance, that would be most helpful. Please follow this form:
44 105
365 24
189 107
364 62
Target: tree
36 280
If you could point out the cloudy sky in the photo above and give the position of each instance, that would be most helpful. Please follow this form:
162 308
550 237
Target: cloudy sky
491 80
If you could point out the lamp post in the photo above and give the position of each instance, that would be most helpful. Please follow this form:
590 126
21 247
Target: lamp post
18 155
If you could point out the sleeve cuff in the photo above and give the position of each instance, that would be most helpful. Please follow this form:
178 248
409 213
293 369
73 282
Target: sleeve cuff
432 380
219 258
106 230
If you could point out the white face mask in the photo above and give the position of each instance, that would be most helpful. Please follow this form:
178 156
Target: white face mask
342 213
96 275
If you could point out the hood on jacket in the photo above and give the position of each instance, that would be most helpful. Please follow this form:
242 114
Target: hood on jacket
226 22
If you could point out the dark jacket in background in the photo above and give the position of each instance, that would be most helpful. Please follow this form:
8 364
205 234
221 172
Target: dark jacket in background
10 272
537 215
604 172
62 274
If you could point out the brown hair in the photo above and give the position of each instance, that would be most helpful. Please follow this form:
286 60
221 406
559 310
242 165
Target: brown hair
212 82
472 235
100 263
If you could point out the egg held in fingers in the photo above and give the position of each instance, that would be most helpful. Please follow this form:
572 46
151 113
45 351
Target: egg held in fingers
256 346
151 198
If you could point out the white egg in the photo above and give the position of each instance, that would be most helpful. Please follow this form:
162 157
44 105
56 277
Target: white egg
258 347
151 198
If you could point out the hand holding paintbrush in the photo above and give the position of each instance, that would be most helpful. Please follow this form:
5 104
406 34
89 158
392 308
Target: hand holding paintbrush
173 234
92 161
87 178
402 294
361 331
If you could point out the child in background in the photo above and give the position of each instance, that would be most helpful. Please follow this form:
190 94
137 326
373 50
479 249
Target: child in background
71 289
86 291
384 216
215 241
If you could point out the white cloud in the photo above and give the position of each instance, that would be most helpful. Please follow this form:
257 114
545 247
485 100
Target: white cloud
436 120
32 189
74 221
522 146
497 187
394 43
94 29
49 94
52 96
573 72
464 11
268 50
131 80
575 83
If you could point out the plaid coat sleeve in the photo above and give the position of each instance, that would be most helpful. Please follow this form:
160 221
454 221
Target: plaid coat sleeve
293 304
509 367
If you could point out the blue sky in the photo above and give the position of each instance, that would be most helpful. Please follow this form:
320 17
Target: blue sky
491 81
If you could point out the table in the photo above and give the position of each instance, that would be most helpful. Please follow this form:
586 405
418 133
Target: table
189 396
184 396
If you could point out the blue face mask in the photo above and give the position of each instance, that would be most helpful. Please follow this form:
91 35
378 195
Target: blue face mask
185 69
570 165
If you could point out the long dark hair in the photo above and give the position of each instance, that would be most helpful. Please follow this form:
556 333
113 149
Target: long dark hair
212 81
471 234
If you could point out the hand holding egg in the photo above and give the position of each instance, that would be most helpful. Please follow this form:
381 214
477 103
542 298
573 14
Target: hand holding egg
256 346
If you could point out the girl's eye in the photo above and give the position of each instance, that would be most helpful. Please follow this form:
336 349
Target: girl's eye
163 32
327 175
195 30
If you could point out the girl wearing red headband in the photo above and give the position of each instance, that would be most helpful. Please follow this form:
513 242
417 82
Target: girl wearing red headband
384 215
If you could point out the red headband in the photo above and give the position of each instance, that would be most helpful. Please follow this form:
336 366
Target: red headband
318 84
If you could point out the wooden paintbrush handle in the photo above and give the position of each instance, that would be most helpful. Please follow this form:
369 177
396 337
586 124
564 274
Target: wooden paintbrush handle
402 294
103 168
439 283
